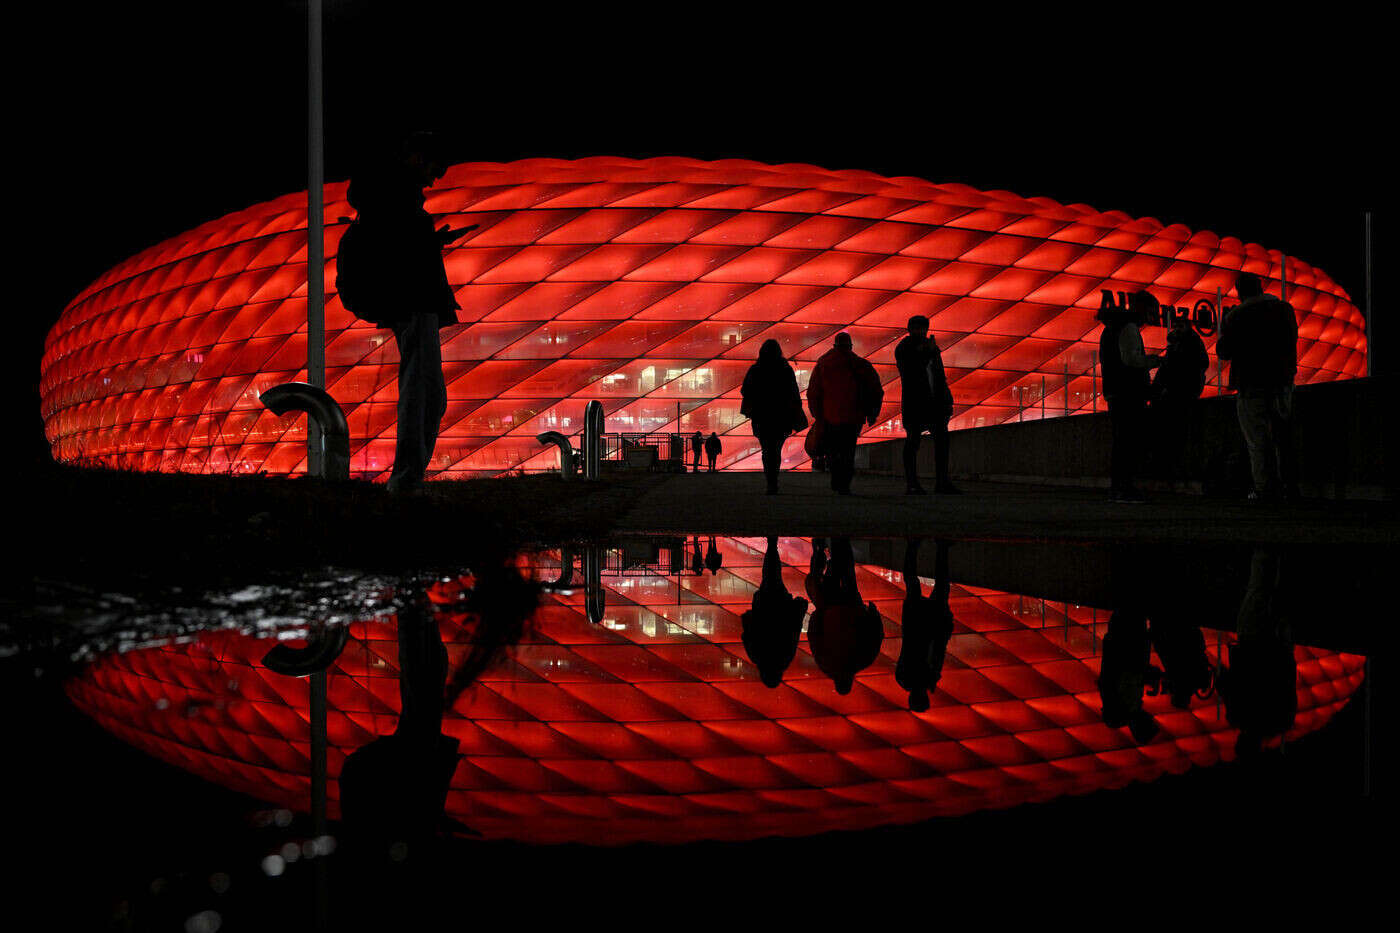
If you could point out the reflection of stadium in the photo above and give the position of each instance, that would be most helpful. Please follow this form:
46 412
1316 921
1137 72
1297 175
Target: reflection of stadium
648 285
654 725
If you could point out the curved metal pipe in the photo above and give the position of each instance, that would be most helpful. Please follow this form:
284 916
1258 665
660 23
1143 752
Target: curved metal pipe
593 598
319 406
567 454
320 650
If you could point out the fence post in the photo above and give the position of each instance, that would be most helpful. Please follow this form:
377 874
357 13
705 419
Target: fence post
1042 397
1066 387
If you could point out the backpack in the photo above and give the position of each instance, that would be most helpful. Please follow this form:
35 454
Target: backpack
357 281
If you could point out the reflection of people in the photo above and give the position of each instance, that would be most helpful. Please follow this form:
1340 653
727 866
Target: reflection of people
926 404
713 448
773 405
773 624
1124 671
392 790
844 392
404 286
713 559
927 623
1260 338
697 558
1125 387
844 633
1260 686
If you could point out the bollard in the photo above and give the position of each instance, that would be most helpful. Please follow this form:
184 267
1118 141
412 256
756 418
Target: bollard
327 416
592 439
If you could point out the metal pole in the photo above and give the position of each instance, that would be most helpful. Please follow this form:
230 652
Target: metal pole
315 237
1369 339
1094 380
1042 398
1066 388
319 743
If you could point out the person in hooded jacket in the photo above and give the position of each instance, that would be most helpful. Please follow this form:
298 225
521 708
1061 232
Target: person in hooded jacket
773 406
1126 386
844 392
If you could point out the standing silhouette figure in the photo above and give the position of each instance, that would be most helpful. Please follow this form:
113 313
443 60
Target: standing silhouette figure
697 446
400 283
926 404
1260 339
1125 386
713 448
843 393
1177 385
773 406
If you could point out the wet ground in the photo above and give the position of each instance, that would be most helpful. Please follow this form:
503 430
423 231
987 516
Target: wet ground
806 724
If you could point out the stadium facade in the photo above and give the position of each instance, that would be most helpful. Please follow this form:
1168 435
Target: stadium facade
648 285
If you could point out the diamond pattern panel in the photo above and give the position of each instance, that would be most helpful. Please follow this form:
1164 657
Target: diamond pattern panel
159 364
655 724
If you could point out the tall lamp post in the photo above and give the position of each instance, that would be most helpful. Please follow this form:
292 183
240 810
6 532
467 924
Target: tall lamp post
315 236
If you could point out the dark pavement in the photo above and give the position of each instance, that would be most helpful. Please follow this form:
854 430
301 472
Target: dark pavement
735 503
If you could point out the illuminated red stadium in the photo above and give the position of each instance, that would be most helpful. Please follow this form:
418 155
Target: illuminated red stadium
648 285
654 724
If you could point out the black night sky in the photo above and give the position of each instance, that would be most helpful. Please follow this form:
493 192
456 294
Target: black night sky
132 123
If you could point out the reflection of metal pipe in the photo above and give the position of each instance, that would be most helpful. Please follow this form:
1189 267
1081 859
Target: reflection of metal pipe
325 412
566 451
566 572
594 602
318 654
592 438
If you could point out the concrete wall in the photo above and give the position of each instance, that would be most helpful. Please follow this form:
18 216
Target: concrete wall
1344 439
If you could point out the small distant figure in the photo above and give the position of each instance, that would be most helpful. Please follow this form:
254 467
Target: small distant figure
844 632
697 446
713 559
844 393
1176 387
392 275
773 405
773 624
697 557
713 448
1126 386
927 625
926 405
1260 339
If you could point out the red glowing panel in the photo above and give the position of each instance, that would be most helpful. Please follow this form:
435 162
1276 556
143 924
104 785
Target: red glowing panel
608 262
654 725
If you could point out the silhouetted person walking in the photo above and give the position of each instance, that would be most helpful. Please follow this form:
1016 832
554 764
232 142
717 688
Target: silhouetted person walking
1260 339
773 624
927 624
713 448
844 633
926 404
1125 386
392 274
844 391
773 406
697 446
1176 387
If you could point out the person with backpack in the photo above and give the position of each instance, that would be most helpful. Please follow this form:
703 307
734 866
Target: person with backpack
844 392
390 273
